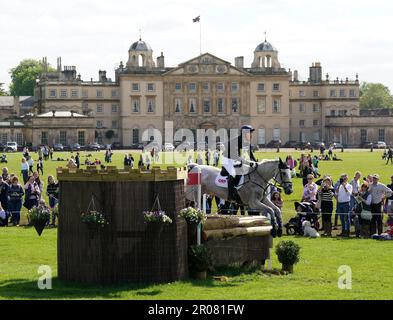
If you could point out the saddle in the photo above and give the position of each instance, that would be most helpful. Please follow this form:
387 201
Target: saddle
222 179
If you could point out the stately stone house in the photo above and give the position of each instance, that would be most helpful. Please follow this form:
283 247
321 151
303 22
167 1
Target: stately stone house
205 92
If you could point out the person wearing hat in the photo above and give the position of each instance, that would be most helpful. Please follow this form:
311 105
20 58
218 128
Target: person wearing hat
325 201
233 160
378 193
310 190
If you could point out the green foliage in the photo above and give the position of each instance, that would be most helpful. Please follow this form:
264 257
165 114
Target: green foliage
288 252
156 217
192 215
199 259
375 95
24 75
2 91
38 214
94 218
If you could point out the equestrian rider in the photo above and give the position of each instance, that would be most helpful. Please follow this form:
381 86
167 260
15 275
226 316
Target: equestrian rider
233 160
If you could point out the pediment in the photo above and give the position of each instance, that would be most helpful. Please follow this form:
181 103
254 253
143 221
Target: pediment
206 64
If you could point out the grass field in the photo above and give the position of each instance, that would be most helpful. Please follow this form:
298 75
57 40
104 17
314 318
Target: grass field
315 277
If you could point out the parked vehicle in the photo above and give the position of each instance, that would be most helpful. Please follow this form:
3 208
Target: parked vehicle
94 147
273 144
381 145
169 147
336 145
11 147
137 146
58 147
75 147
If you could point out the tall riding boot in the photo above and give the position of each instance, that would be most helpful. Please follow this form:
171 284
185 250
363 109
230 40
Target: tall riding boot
231 187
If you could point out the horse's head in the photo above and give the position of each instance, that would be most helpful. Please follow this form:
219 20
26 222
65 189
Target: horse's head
284 178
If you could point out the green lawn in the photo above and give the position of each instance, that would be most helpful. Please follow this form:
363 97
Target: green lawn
315 277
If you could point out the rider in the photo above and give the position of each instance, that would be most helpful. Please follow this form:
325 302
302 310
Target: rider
232 159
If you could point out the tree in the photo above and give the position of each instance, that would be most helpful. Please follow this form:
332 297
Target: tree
24 75
375 95
2 91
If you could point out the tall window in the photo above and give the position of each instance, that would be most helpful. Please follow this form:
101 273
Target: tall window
276 106
85 94
301 107
81 138
114 108
301 123
99 94
100 108
52 93
44 138
178 86
261 104
342 93
261 136
63 93
100 124
115 124
276 87
315 107
135 105
19 139
114 93
363 135
192 105
151 105
178 105
315 123
276 134
332 93
301 93
63 138
206 105
381 135
221 105
74 93
206 87
135 135
4 138
316 94
235 105
352 93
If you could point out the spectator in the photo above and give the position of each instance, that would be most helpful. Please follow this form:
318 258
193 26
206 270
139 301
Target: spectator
52 191
15 194
389 200
3 217
216 158
140 162
325 200
355 183
131 160
40 184
5 174
51 153
77 160
32 193
71 163
343 193
4 187
40 166
310 190
364 217
207 157
199 159
389 156
307 170
276 199
25 170
378 192
30 162
148 161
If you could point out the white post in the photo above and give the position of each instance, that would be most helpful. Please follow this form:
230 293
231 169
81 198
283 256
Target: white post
199 230
199 205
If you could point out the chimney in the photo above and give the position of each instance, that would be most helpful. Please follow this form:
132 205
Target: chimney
72 113
295 76
239 62
161 61
53 113
102 76
316 73
17 106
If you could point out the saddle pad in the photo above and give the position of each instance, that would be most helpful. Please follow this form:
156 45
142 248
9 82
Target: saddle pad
223 181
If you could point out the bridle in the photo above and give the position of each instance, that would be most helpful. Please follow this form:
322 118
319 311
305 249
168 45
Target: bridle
268 183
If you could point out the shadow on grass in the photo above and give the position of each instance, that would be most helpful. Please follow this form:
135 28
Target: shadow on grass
23 289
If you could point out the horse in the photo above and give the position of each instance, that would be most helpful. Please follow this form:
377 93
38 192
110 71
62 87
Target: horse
253 191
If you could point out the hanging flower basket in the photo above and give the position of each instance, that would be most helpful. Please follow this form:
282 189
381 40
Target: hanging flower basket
92 218
156 216
193 218
39 218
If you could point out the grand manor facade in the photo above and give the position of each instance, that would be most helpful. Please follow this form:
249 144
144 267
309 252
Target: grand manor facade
204 92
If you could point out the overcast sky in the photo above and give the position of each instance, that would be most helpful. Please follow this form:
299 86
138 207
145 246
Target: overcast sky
346 36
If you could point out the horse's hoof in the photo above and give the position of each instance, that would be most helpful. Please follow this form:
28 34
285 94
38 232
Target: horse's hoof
273 232
279 233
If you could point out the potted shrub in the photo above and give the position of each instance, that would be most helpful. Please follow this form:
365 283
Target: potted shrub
193 217
199 261
39 218
288 254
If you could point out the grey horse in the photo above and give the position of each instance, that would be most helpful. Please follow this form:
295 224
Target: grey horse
253 191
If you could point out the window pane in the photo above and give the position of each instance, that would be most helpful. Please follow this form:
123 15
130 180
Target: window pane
81 138
261 104
220 105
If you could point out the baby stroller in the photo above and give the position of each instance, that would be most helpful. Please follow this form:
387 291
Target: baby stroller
305 211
